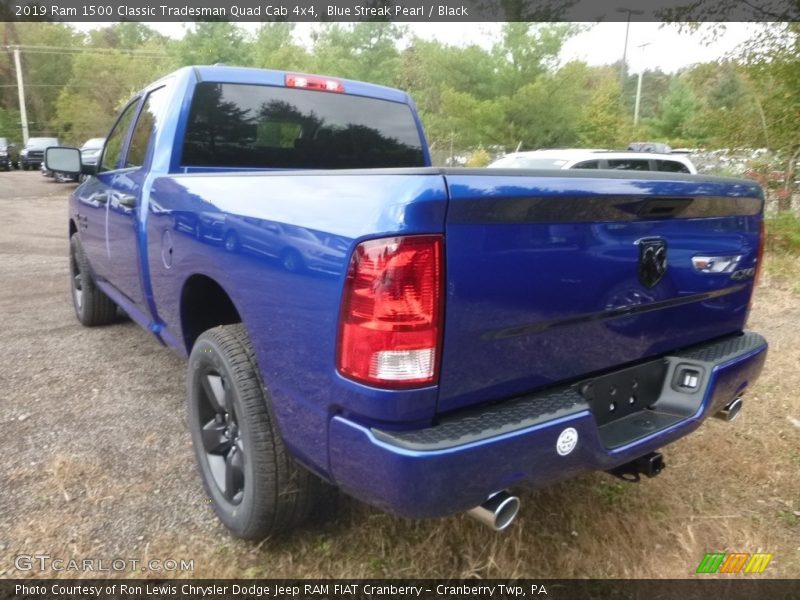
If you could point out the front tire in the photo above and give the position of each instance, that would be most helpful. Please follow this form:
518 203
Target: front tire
255 486
92 306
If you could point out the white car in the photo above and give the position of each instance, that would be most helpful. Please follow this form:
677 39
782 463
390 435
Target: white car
595 159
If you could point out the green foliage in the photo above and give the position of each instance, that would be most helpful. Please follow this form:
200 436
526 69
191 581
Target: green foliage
274 48
602 124
783 233
514 94
479 158
364 51
677 111
211 43
10 125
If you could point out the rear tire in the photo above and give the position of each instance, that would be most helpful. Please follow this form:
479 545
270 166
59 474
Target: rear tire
92 306
255 486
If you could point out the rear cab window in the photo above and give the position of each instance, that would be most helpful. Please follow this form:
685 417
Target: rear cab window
262 127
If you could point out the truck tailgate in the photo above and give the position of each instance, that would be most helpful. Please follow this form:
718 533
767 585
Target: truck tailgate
553 276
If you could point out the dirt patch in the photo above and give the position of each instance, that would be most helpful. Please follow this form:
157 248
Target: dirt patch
98 463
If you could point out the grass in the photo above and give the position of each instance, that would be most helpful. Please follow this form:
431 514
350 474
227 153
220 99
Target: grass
783 233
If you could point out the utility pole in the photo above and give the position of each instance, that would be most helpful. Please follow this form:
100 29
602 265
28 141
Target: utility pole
638 90
23 114
622 69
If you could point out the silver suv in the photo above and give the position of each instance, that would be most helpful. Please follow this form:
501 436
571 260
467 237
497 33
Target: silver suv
595 159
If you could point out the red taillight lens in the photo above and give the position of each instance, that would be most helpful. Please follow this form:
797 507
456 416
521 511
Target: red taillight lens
760 255
313 82
390 324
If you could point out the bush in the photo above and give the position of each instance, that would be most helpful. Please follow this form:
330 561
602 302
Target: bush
783 233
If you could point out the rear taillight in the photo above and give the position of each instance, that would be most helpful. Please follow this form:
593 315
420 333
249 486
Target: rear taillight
760 255
759 266
390 324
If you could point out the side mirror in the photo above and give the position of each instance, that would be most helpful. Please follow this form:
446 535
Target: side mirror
63 160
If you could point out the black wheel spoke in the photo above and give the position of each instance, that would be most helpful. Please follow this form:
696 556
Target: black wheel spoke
214 439
215 392
234 472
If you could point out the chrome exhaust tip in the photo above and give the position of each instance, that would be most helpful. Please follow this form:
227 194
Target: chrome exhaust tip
731 411
498 512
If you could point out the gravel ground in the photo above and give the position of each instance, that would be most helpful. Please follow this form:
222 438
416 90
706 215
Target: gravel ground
97 460
82 430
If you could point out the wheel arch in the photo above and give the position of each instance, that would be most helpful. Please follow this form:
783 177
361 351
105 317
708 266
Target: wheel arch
204 304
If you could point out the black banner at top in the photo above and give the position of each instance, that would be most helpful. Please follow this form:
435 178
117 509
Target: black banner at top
398 10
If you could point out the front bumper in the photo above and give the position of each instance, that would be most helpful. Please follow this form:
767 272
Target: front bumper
456 464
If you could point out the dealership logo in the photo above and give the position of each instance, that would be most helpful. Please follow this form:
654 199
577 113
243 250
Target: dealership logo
734 562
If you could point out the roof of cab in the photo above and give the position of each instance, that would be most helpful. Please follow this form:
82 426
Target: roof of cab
248 75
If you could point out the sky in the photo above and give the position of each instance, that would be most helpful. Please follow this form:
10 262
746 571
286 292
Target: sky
601 43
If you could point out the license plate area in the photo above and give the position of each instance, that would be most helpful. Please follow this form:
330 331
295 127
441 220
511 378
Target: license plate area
622 393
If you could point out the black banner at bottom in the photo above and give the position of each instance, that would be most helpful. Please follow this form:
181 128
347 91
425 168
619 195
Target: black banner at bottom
733 588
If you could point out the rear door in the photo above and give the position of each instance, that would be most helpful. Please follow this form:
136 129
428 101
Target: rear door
553 277
125 186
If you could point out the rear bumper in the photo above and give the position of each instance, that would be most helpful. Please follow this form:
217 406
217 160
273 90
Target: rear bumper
458 463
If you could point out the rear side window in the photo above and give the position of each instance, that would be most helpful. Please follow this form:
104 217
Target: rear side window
671 166
629 164
253 126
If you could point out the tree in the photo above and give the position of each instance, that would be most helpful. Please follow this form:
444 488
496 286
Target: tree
603 124
364 51
211 43
274 48
677 111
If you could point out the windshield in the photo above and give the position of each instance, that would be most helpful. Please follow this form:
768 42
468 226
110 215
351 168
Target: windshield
256 126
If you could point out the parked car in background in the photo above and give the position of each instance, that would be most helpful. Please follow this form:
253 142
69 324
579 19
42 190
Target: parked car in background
90 151
9 155
32 155
595 159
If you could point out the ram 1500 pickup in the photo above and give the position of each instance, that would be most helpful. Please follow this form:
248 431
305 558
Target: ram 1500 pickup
424 339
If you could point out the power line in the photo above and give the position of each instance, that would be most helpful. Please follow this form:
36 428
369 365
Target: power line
43 49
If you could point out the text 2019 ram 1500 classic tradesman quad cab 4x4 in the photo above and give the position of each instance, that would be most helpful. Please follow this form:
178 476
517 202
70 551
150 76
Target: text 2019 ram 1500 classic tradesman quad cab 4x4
422 338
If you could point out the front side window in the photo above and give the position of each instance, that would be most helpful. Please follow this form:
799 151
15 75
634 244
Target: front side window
256 126
112 155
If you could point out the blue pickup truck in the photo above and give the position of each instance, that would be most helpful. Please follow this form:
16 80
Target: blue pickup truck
424 339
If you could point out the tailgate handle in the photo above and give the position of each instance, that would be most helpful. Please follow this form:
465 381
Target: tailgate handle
662 208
